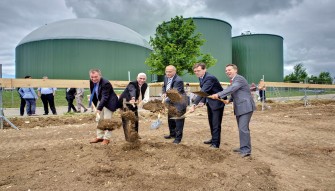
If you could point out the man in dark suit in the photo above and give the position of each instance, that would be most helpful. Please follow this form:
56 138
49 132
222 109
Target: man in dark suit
70 95
103 92
210 85
173 81
244 106
135 91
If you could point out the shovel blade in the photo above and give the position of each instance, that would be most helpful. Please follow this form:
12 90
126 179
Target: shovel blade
181 117
200 93
156 124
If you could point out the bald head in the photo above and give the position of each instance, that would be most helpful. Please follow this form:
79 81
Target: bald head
170 71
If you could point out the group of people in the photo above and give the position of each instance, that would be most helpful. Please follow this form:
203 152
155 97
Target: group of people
28 99
239 91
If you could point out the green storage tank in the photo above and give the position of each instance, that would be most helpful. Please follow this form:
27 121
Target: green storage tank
68 49
257 55
217 34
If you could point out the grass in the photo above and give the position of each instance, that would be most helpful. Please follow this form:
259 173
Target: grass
11 99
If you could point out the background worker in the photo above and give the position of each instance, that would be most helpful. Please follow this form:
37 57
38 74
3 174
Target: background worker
47 96
79 99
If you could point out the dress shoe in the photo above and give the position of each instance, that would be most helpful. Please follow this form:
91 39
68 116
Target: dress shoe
45 114
214 146
85 110
245 154
208 142
169 137
96 140
176 141
237 150
105 142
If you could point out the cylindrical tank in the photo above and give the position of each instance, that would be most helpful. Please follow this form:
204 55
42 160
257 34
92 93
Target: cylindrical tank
257 55
217 34
68 49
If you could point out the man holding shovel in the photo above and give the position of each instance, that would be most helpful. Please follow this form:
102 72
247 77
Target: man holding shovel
244 106
134 92
173 81
102 91
210 85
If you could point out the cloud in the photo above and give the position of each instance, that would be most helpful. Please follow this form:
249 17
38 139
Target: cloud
306 25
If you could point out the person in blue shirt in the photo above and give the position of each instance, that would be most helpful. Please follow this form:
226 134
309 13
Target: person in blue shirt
29 95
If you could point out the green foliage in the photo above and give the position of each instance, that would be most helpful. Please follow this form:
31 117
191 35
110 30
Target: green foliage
299 75
175 43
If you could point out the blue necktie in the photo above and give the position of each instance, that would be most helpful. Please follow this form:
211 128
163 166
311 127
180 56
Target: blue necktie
92 94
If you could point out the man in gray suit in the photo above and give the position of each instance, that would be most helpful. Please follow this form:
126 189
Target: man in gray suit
244 106
173 81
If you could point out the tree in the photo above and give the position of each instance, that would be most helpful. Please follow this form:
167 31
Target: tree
175 43
325 78
299 74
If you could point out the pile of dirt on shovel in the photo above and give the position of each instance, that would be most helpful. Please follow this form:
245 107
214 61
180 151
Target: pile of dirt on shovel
174 96
109 124
172 111
154 105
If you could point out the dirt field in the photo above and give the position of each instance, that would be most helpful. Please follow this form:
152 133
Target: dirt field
293 149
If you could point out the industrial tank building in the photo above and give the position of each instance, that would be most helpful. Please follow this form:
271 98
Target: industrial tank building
217 34
68 49
257 55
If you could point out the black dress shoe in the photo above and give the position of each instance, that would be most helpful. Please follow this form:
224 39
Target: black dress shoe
237 150
45 114
245 154
208 142
214 146
169 137
176 141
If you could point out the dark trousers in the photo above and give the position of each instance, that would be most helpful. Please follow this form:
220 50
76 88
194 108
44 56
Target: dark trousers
70 105
48 99
244 132
176 127
215 119
262 95
22 106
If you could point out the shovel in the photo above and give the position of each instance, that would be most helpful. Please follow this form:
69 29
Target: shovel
185 114
204 94
97 117
158 122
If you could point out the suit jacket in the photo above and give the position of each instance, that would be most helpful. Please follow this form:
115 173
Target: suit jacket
106 95
132 90
210 85
177 84
240 95
71 93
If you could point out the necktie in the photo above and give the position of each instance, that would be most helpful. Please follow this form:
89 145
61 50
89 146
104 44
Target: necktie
92 94
168 86
231 81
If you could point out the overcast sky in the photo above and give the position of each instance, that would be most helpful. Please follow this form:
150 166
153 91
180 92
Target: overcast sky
307 26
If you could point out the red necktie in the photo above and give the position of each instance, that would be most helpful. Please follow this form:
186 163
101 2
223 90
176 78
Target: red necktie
231 81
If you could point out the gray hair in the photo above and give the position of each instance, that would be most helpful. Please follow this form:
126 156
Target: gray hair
142 74
95 71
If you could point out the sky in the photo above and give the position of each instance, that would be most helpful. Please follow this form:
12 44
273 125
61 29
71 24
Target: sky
307 26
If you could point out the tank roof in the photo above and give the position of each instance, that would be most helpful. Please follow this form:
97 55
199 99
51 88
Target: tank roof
85 28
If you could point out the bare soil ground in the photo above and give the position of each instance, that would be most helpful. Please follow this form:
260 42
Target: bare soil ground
293 149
